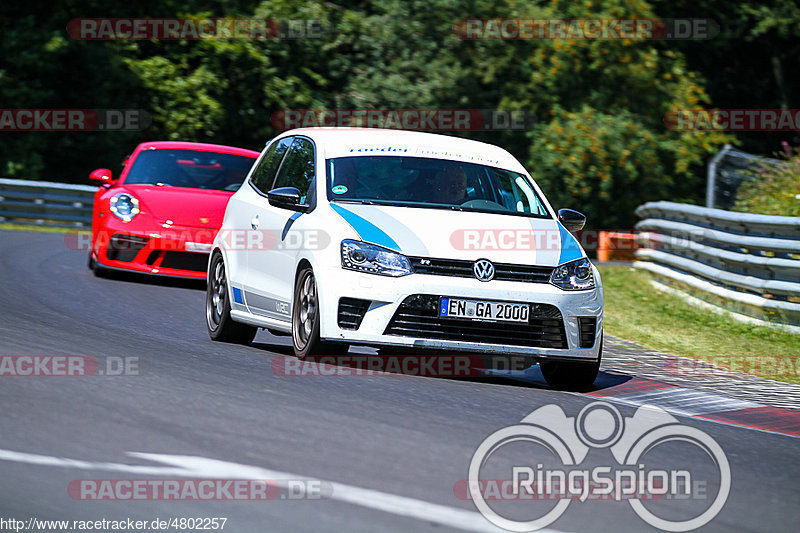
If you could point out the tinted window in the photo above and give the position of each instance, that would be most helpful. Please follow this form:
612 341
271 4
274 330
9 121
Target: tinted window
433 183
297 169
189 168
264 175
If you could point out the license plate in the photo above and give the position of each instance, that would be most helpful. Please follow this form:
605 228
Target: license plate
483 310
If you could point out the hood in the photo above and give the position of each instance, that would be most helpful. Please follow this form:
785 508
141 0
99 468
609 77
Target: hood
445 234
194 208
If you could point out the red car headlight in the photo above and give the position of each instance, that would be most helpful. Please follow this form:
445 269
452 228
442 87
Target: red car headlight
124 206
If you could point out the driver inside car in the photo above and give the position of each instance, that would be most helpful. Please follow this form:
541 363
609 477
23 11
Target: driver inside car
449 186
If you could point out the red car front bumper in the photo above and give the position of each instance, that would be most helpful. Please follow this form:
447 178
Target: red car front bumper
174 251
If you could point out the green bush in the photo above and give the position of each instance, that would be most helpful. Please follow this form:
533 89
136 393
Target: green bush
775 190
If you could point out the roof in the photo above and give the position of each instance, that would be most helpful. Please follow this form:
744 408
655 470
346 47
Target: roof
346 142
181 145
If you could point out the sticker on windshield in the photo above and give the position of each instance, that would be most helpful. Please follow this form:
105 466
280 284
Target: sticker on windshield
339 189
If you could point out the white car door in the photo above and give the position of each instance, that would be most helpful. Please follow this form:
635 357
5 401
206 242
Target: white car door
271 272
246 237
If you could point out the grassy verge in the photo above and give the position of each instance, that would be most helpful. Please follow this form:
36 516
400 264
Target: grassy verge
636 311
44 229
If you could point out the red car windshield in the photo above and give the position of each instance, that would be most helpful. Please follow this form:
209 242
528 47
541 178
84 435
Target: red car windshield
189 168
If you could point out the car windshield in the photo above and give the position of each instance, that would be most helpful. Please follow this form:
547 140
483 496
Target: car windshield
190 168
432 183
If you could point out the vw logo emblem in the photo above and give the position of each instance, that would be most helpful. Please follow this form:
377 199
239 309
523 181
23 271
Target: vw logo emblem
483 270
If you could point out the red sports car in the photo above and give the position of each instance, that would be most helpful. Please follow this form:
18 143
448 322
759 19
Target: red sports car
162 214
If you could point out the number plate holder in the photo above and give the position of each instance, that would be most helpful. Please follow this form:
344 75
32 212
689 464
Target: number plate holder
483 310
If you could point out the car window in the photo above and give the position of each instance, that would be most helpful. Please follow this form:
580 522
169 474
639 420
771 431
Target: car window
197 169
297 169
432 183
264 176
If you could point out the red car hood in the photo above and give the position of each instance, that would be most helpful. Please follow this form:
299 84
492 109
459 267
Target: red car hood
195 208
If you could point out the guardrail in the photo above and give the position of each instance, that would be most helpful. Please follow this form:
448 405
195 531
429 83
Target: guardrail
746 263
46 203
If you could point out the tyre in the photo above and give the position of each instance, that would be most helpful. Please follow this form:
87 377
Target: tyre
90 262
305 320
221 326
571 375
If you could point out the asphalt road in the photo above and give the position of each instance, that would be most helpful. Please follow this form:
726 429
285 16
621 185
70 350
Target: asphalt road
387 450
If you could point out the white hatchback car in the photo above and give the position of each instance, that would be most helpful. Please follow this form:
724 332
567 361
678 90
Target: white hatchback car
398 239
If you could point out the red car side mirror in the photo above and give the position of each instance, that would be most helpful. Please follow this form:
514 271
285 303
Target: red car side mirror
102 175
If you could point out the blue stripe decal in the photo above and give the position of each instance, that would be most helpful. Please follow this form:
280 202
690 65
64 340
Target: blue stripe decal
570 249
237 296
288 225
368 231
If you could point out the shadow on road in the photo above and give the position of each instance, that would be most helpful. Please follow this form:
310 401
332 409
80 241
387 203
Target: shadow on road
155 280
442 365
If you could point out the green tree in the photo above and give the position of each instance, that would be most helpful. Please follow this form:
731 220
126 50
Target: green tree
600 143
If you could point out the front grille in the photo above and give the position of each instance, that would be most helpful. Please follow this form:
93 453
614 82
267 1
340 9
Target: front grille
587 325
185 261
462 268
418 316
124 247
351 312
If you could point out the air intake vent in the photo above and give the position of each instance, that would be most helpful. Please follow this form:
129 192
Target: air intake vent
418 316
351 312
587 325
196 262
125 247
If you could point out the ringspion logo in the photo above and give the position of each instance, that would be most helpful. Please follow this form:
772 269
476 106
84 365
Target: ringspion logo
561 444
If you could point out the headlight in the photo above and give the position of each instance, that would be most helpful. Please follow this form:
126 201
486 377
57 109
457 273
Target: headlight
124 206
574 276
363 257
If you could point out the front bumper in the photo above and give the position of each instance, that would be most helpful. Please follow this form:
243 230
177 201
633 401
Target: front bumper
175 251
386 294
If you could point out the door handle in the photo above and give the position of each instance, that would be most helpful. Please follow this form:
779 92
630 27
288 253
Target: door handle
255 222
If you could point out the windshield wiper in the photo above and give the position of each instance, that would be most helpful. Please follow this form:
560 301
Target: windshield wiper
162 184
354 201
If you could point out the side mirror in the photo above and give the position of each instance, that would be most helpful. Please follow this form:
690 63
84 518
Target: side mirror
572 220
286 198
102 175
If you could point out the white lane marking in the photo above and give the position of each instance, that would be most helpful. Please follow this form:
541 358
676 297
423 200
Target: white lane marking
685 401
202 467
46 460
